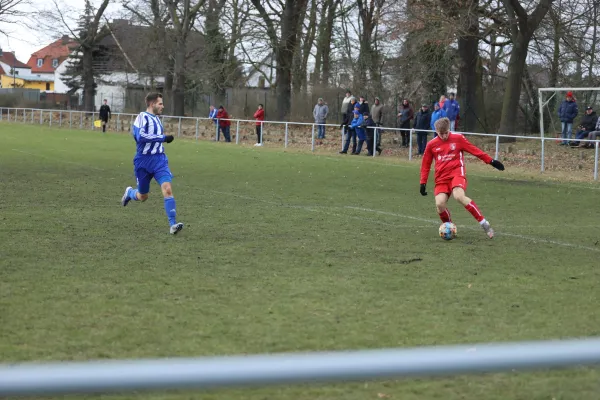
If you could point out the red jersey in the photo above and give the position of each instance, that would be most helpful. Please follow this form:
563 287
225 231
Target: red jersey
448 156
259 116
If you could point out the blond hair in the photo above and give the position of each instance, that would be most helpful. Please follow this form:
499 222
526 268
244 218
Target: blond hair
442 125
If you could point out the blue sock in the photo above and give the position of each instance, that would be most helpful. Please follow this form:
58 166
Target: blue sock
132 194
170 210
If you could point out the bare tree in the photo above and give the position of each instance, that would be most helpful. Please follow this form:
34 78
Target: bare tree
522 27
11 12
283 45
183 17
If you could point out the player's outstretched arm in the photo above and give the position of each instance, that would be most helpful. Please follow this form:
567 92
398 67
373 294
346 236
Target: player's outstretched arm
497 164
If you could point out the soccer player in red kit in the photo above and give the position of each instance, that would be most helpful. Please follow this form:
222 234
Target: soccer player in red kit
450 178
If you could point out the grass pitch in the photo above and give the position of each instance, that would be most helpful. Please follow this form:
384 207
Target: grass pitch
286 251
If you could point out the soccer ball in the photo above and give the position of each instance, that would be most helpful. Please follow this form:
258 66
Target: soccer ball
447 231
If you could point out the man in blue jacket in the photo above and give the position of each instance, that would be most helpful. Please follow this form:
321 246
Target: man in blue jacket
452 109
567 112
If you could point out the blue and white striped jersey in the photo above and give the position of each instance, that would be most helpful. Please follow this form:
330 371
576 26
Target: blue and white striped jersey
148 133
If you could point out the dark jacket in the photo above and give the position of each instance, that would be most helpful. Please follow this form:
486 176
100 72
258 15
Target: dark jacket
364 107
588 122
568 111
406 113
369 125
423 120
104 112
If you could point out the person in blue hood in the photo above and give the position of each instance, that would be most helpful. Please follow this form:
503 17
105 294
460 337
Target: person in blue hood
357 125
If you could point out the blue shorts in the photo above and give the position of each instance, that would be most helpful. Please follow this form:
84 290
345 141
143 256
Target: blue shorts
145 170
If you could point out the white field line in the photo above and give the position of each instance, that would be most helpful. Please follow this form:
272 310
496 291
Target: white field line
321 209
514 235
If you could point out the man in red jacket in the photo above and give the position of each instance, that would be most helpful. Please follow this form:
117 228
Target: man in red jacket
450 177
259 116
224 123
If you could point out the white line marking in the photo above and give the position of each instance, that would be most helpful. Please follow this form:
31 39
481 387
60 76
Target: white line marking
530 238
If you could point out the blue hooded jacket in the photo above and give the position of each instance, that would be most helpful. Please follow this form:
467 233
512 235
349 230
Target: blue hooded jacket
568 111
452 109
437 114
357 125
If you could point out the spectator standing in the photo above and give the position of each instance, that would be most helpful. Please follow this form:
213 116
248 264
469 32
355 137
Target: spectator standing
259 116
370 126
567 112
212 114
405 115
442 101
452 109
588 123
377 116
350 131
224 123
105 114
357 125
364 105
422 124
345 104
438 113
320 114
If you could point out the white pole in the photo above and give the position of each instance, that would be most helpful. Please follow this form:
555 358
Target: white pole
8 114
106 376
93 118
237 133
41 117
179 128
50 118
262 132
197 128
312 148
497 147
217 131
119 122
81 120
596 162
343 137
410 140
541 111
60 118
374 141
286 135
71 119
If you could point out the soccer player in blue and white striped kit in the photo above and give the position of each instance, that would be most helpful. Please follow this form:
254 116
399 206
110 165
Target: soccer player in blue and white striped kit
150 160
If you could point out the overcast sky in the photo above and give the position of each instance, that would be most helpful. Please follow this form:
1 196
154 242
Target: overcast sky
26 40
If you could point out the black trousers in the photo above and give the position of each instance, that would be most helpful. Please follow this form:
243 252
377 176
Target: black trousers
258 133
405 132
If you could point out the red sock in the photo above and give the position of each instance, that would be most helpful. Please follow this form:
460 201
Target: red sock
445 216
474 210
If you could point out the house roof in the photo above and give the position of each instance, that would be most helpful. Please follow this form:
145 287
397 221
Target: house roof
10 59
59 49
34 78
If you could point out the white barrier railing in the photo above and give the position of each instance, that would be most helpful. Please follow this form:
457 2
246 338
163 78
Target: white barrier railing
216 372
377 130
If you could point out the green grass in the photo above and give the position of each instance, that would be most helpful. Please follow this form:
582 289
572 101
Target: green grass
286 251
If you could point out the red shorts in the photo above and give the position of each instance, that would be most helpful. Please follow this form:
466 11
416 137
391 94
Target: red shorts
447 186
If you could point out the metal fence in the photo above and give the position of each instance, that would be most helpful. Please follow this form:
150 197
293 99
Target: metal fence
210 373
296 133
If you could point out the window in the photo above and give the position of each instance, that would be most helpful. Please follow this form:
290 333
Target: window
47 86
55 63
40 62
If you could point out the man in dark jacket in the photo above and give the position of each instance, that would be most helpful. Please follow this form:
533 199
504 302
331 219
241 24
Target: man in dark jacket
364 106
567 112
105 114
422 122
405 114
369 125
587 124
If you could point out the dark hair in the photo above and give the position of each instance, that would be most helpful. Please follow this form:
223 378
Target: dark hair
260 105
152 97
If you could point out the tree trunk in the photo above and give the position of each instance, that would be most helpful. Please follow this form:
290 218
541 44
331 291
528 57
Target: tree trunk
326 43
512 93
285 54
178 97
89 84
468 51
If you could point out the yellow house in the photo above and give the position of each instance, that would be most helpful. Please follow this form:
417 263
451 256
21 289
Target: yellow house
43 83
14 73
